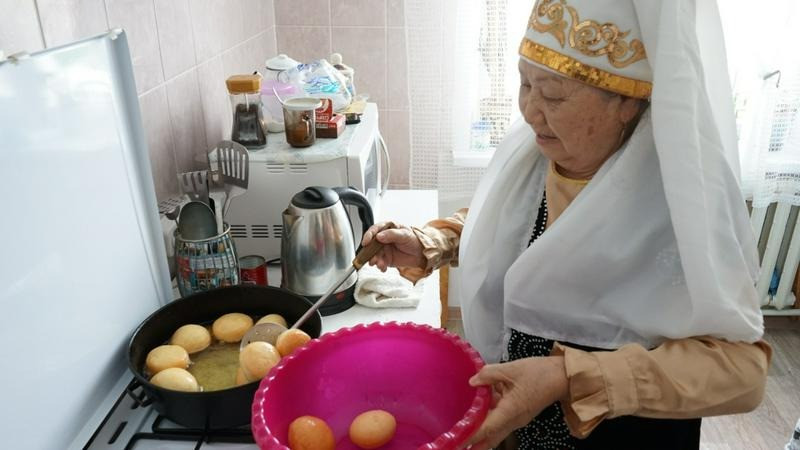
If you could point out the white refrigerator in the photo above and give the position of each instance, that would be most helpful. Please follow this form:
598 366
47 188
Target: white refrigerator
82 257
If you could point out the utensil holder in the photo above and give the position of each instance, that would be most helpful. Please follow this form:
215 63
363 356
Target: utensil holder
207 263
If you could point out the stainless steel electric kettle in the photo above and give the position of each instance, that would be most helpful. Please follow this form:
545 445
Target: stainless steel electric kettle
317 245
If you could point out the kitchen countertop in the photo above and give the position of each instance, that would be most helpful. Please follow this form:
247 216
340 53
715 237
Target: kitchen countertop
407 207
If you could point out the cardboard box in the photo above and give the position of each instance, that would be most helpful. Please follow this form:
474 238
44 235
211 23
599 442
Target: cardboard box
328 123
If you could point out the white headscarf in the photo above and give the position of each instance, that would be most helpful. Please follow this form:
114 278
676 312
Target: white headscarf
657 246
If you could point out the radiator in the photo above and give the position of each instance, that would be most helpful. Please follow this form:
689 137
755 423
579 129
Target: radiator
779 247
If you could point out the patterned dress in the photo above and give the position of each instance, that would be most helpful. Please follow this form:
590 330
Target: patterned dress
549 430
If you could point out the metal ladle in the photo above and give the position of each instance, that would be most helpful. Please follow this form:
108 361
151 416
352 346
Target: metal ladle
269 332
196 221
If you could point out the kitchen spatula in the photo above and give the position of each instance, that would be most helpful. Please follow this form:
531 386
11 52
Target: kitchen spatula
233 162
269 332
195 185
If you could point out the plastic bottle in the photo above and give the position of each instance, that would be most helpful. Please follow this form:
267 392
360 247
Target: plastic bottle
480 136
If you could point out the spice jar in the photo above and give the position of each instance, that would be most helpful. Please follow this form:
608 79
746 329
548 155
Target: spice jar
249 127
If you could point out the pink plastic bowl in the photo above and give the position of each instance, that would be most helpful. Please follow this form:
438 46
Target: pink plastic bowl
417 373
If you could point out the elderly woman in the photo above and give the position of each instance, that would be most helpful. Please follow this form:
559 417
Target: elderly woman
607 259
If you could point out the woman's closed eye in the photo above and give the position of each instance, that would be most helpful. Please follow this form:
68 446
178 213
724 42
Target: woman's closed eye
552 100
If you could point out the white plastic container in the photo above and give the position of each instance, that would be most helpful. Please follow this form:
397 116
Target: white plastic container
273 111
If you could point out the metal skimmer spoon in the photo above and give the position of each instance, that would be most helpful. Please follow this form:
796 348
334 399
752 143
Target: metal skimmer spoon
269 332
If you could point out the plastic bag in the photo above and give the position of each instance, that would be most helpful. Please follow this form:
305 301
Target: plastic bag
321 80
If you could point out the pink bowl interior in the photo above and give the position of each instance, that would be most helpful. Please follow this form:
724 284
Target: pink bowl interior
417 373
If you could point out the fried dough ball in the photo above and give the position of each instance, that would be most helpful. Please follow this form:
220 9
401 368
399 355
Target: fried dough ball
176 379
193 338
310 433
273 318
257 358
166 356
231 327
373 429
241 377
291 340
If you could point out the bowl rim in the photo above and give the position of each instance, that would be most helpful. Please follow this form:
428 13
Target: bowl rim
450 439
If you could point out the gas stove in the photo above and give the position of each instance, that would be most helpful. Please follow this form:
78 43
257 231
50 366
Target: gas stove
133 424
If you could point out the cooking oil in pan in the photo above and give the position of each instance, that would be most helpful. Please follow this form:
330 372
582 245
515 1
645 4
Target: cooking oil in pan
215 367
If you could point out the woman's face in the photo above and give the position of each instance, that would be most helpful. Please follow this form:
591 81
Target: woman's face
576 125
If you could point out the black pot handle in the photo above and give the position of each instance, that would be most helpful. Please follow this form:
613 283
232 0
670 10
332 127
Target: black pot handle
141 399
351 196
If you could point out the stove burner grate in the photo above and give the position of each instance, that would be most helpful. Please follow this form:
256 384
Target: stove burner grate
160 432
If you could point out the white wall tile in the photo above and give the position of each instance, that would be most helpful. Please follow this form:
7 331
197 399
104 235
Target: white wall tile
207 26
258 16
217 116
370 13
19 27
303 12
396 69
271 42
395 13
231 15
364 49
236 61
262 49
270 10
138 19
175 36
65 21
158 130
186 116
304 43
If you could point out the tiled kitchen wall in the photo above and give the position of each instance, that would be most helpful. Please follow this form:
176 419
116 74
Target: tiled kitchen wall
182 51
370 35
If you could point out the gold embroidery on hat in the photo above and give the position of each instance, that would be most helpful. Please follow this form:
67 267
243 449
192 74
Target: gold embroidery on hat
555 13
585 73
588 37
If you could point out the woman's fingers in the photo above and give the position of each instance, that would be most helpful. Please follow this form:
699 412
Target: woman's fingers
489 374
371 232
483 445
392 236
494 428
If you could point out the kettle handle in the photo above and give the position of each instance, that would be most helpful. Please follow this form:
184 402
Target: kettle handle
351 196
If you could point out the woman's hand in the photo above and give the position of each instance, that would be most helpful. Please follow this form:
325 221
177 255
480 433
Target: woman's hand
521 390
401 247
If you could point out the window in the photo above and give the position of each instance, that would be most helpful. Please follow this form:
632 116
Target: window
491 31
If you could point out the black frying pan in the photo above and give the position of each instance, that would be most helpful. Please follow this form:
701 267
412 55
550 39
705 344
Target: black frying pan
218 409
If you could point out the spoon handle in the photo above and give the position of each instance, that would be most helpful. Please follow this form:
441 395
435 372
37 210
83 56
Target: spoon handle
363 256
322 299
366 253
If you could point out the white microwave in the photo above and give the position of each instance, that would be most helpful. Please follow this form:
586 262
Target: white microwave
356 158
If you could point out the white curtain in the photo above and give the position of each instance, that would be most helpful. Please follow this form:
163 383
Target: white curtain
463 84
765 69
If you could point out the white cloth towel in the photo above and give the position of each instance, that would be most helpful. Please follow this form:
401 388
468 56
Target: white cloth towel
376 289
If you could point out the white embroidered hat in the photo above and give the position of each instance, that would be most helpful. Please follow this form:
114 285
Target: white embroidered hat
598 42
